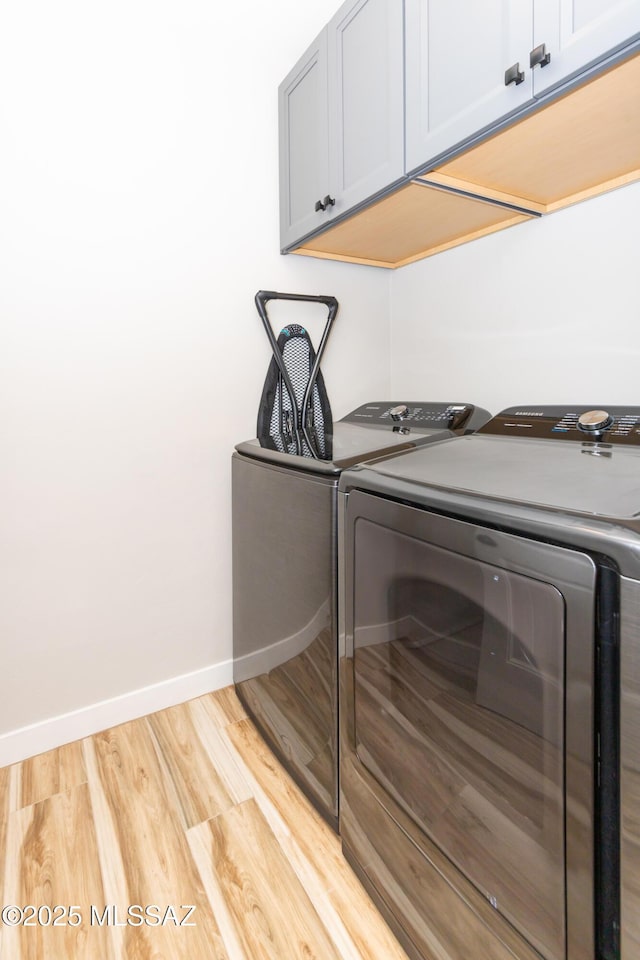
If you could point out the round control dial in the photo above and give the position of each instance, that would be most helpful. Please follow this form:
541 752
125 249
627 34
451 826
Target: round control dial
595 421
399 412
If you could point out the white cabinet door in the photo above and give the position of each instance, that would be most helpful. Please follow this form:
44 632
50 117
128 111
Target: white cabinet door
341 118
304 145
366 118
577 33
457 54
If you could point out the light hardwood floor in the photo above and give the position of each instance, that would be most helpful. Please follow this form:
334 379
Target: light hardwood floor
184 807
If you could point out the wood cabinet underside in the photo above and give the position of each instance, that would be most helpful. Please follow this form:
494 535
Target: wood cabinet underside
581 145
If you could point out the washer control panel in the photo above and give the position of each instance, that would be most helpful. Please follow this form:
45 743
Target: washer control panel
419 415
596 424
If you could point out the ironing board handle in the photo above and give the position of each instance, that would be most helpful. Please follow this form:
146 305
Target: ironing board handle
262 298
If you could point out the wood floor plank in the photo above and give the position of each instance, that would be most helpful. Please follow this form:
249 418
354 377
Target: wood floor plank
5 776
269 778
109 854
51 860
315 851
199 788
262 867
5 779
49 773
199 839
298 817
14 786
249 866
218 749
223 706
137 821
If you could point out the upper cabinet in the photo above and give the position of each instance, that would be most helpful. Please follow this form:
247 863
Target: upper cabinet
366 99
577 33
469 66
341 115
465 69
304 144
575 147
411 126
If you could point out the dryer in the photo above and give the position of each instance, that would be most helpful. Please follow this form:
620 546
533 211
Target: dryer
490 687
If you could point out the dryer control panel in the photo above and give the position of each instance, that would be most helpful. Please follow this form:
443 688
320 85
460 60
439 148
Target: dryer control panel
416 415
585 424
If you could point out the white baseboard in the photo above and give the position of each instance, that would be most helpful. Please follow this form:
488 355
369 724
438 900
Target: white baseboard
28 741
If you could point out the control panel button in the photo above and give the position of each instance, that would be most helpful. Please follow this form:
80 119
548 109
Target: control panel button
399 412
595 421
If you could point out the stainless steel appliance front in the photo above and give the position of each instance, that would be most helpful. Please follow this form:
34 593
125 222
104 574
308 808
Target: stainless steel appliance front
468 699
284 578
490 688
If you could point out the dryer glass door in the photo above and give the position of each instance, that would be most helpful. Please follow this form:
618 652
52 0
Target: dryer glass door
459 704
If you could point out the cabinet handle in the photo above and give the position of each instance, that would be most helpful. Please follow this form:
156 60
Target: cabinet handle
327 201
539 56
513 75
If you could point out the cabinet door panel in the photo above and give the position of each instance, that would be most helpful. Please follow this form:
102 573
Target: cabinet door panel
577 33
456 57
365 99
304 150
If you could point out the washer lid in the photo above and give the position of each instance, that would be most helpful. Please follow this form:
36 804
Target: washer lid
594 478
351 444
375 429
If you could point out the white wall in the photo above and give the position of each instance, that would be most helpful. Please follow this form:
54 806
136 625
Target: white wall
138 217
544 312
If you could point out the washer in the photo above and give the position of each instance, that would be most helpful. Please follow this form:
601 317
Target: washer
490 687
284 579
